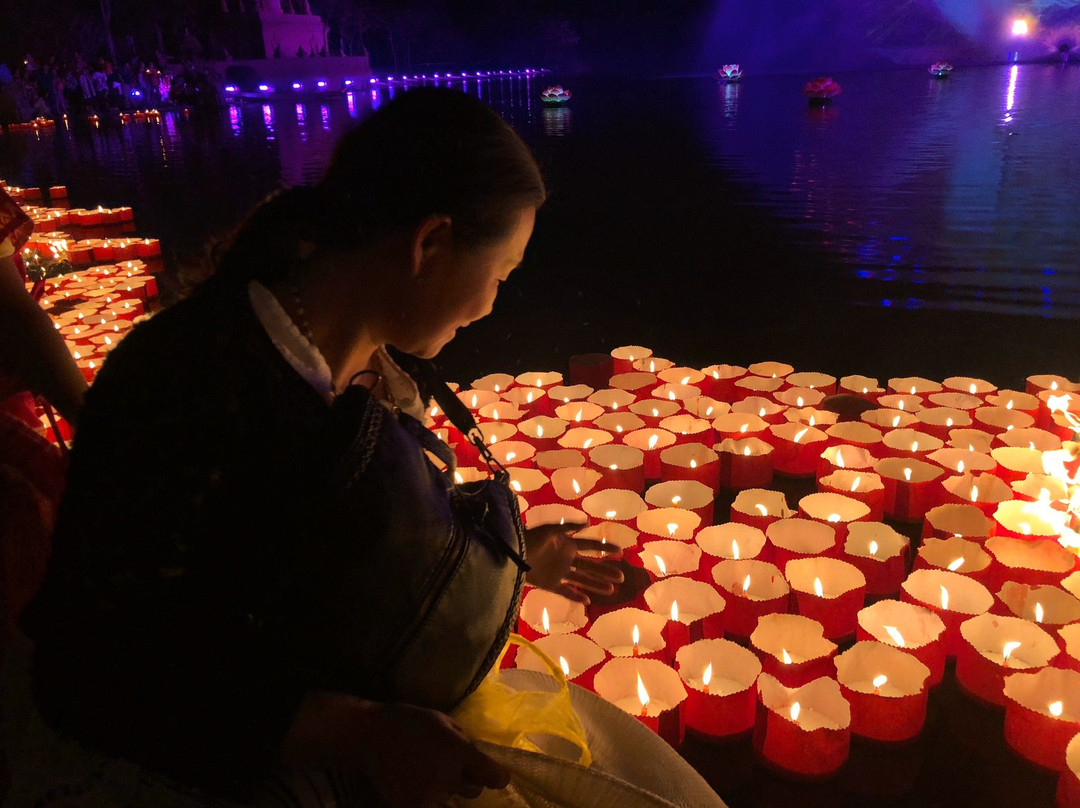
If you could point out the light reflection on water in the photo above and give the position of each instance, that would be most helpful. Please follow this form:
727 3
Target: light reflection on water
957 193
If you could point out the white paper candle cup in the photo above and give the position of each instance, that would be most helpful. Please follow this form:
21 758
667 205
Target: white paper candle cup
1044 605
731 540
909 627
555 514
584 438
553 459
613 533
614 633
687 495
581 655
956 555
799 538
564 615
992 647
694 601
726 704
494 383
573 484
628 354
578 413
793 648
887 691
614 505
668 523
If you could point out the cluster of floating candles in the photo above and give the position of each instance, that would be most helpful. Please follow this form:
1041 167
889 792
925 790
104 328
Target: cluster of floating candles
754 614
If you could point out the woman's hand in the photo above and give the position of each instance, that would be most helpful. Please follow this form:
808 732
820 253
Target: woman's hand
558 566
411 757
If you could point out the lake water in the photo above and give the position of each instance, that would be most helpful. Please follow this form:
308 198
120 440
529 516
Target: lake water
915 226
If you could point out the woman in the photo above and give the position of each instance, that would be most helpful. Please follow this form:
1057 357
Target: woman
218 597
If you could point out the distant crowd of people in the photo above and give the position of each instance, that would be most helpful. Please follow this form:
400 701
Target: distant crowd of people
53 88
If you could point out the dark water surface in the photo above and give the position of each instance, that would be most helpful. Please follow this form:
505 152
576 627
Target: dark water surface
915 227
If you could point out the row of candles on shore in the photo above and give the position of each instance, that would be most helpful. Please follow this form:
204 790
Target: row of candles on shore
995 583
40 123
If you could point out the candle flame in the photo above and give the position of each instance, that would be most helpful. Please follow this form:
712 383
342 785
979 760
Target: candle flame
539 431
880 680
693 464
840 458
761 413
495 415
855 485
653 441
764 510
949 421
587 443
458 478
834 517
1056 709
972 388
510 456
746 584
514 483
944 598
642 694
1009 647
675 610
675 500
636 636
655 412
610 514
799 435
671 395
974 493
896 420
660 565
786 656
818 589
795 709
895 634
706 677
564 665
614 467
1009 404
474 399
578 416
907 475
734 549
914 446
577 488
956 564
746 451
873 547
960 467
545 621
743 428
900 406
672 527
1039 614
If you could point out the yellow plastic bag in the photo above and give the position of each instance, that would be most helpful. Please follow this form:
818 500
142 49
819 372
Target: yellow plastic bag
532 720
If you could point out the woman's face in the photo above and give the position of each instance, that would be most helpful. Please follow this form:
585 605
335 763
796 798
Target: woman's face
457 286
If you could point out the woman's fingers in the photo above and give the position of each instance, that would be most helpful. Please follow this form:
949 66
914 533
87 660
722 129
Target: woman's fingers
591 582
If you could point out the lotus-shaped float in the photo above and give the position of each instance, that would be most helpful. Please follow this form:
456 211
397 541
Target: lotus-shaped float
940 70
555 95
822 90
729 73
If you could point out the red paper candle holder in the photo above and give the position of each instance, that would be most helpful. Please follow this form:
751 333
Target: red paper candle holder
592 369
1069 642
690 377
909 627
799 397
614 632
998 419
838 511
914 386
651 442
619 467
562 393
550 460
649 690
799 538
827 590
652 364
720 381
540 379
532 484
691 461
756 387
636 382
856 433
803 732
862 386
731 540
1044 605
1068 792
475 399
902 402
1047 381
809 416
619 423
611 400
686 495
584 438
744 464
1030 438
953 597
959 461
688 428
939 421
512 453
736 425
544 613
845 457
984 491
752 589
865 487
956 401
969 385
821 382
888 418
1042 715
555 514
625 357
669 557
880 554
910 487
1042 561
956 555
887 691
974 440
578 413
792 648
542 431
579 657
695 610
614 533
614 505
1015 400
759 508
992 647
1015 463
571 485
653 411
910 443
721 684
534 400
771 370
798 448
706 407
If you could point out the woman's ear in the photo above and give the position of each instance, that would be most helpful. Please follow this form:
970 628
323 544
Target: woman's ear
431 242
